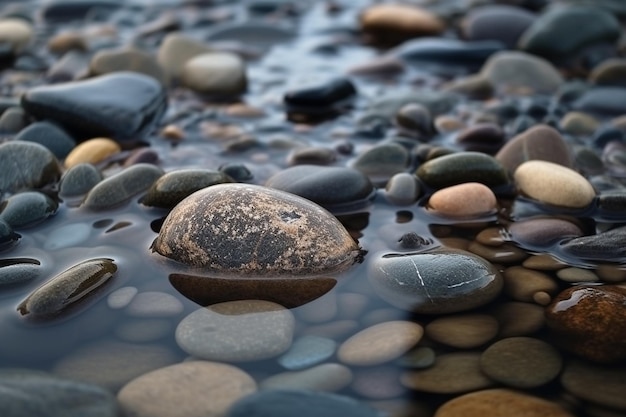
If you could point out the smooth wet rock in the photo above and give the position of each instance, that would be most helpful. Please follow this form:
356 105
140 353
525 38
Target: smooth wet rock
415 118
380 343
307 351
237 331
554 184
119 188
13 120
465 331
328 377
503 23
452 52
152 304
519 71
579 123
49 135
7 235
175 186
394 23
215 73
18 270
333 188
289 403
403 189
27 209
240 229
590 321
202 389
68 10
16 34
499 402
68 290
174 52
542 231
576 275
610 72
108 61
78 180
598 384
382 161
92 151
521 362
324 94
312 155
462 167
602 101
32 166
435 282
524 284
467 200
122 105
561 32
34 393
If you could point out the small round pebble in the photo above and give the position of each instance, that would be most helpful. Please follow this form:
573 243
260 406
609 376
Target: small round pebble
519 319
466 200
92 151
463 331
17 33
393 23
403 189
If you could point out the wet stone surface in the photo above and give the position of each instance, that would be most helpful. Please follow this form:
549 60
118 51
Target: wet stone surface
418 207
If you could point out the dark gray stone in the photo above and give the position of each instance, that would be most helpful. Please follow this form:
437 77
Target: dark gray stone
27 208
13 120
503 23
78 180
606 101
608 246
25 165
49 135
67 10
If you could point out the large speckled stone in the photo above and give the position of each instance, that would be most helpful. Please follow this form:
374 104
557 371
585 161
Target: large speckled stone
234 229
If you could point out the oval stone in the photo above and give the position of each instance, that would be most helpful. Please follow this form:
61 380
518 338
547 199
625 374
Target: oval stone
92 151
32 166
435 282
242 229
461 167
27 208
470 199
78 180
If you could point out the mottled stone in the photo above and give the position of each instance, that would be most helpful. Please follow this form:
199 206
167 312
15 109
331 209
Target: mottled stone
435 282
222 227
194 389
609 245
467 200
237 331
598 384
403 189
27 209
462 167
393 23
503 23
465 331
49 135
590 321
119 188
542 231
32 166
328 377
540 142
215 73
68 290
78 180
92 151
579 123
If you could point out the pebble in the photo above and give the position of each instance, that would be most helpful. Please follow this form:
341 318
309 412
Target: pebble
289 403
16 34
449 52
35 393
237 331
69 10
435 282
500 402
174 186
420 358
174 52
215 73
382 161
154 304
577 275
334 188
328 377
452 373
13 120
521 362
415 118
465 200
603 101
312 156
403 189
544 262
579 123
119 188
597 384
92 151
109 61
67 41
33 166
504 23
325 94
519 319
609 72
27 209
465 331
121 297
394 23
476 87
609 245
307 351
8 237
522 284
504 254
514 71
49 135
202 389
112 364
542 231
239 218
287 292
18 270
123 105
554 184
78 180
589 321
380 343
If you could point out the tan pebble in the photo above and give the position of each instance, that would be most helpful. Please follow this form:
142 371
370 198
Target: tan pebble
452 373
579 123
392 23
493 236
554 184
575 275
67 41
17 33
455 242
244 110
173 132
447 124
619 122
522 284
519 319
542 298
463 331
92 151
611 273
506 253
500 403
380 343
466 200
544 262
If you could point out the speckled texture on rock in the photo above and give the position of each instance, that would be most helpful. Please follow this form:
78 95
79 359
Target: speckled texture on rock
253 230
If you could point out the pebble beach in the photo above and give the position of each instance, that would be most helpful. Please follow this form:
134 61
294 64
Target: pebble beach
332 208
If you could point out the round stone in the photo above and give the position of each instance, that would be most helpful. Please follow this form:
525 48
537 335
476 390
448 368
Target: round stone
500 403
554 184
465 331
521 362
496 22
16 33
382 161
380 343
154 304
175 50
435 282
328 377
18 270
522 284
237 331
78 180
113 60
598 384
403 189
519 319
579 123
609 245
92 151
242 229
215 73
49 135
462 167
27 208
452 373
466 200
194 389
394 23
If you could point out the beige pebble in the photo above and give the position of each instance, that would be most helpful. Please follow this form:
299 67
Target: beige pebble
574 275
542 298
380 343
579 123
503 254
452 373
447 124
191 389
67 41
500 403
554 184
519 319
544 262
244 111
17 33
175 50
611 273
392 23
92 151
521 362
215 73
522 284
470 199
492 236
463 331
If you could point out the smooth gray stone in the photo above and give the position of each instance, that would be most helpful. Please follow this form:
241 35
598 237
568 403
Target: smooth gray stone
7 235
25 165
606 101
18 270
608 246
307 351
447 51
78 180
49 135
27 208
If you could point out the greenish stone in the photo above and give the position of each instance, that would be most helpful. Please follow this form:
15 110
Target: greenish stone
27 208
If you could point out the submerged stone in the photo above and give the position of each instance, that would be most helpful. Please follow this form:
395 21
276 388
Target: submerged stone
242 229
31 166
27 208
18 270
